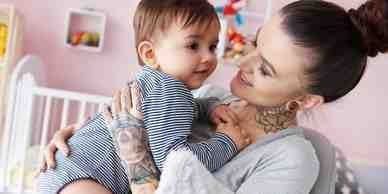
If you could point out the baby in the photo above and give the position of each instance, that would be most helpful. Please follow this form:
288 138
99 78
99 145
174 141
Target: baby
176 43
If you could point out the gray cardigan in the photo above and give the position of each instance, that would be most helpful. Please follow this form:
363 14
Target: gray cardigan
280 163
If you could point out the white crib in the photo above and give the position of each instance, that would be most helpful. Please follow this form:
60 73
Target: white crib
34 111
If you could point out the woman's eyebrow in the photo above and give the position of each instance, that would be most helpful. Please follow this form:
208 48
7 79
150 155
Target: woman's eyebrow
255 42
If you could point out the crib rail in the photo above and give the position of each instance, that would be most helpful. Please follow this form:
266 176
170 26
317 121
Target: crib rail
33 112
66 97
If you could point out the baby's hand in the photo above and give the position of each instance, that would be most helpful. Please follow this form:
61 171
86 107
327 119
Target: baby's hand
239 136
223 114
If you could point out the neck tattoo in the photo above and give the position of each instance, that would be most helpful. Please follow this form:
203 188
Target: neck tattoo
274 119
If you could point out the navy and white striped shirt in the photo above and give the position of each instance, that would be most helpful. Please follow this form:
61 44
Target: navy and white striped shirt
169 110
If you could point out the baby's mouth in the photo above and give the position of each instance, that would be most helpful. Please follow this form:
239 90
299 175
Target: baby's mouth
205 71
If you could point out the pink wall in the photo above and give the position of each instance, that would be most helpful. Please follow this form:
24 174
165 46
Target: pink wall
357 124
98 73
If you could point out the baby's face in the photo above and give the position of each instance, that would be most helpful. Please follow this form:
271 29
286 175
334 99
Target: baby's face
188 54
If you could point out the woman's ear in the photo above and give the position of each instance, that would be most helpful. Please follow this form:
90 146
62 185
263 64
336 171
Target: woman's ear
146 52
310 101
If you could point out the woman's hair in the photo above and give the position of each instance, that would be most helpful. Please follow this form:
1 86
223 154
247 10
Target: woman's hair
340 41
153 17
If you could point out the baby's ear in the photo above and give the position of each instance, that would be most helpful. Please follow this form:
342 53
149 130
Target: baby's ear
146 51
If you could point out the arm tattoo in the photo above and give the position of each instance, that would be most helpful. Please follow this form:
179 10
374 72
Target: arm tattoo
132 147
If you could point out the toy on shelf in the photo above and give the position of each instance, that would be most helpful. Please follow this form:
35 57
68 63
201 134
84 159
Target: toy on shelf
85 29
3 39
84 38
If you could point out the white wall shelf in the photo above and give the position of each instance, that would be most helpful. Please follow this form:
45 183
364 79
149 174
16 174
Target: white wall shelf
254 13
85 29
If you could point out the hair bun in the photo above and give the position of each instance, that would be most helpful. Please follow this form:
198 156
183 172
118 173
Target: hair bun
371 19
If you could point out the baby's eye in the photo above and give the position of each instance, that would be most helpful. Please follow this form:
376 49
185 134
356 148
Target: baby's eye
193 46
213 48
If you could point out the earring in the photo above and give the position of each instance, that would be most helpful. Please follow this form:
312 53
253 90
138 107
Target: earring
292 106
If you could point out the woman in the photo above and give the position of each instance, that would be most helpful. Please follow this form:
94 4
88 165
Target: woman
311 52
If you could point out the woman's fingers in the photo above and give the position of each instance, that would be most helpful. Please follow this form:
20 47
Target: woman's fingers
135 92
43 164
136 101
116 105
50 155
107 113
63 147
135 95
60 138
58 142
126 104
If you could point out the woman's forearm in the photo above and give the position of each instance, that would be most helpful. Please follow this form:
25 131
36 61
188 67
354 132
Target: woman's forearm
131 147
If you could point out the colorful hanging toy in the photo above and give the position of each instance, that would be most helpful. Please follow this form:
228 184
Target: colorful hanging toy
236 41
232 8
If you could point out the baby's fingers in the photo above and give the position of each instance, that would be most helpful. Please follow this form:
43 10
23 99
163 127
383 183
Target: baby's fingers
245 136
233 117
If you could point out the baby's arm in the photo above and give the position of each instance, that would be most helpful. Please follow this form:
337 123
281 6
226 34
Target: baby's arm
203 108
168 116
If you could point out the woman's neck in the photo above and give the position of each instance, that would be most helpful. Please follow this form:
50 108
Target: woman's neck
260 121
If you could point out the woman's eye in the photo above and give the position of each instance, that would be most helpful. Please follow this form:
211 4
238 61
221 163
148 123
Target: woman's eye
264 71
254 43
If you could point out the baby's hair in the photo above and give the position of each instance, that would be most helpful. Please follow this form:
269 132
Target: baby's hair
153 17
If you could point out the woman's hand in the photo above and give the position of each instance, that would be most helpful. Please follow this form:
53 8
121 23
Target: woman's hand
130 140
127 133
58 142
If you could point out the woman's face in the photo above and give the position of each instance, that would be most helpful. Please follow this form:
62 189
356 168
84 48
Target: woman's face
272 73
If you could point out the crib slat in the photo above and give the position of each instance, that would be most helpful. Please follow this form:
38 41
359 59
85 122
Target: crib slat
65 113
46 119
81 115
100 107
